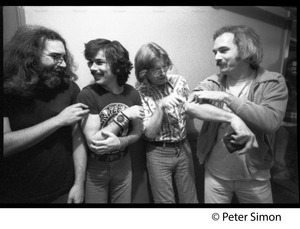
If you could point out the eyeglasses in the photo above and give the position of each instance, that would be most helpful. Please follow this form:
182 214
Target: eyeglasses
158 71
57 58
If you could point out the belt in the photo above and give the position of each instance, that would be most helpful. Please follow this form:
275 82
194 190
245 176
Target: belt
109 157
168 144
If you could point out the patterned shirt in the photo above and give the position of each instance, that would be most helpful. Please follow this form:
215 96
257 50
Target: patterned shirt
173 126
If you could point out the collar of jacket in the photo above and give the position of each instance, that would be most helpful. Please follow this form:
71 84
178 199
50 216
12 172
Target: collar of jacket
261 75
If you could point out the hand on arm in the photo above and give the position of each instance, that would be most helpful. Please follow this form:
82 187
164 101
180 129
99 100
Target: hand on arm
92 132
134 112
211 113
243 136
20 140
216 96
106 140
153 126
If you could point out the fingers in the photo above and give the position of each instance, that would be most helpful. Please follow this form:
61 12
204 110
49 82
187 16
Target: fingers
106 133
142 112
98 149
239 139
195 97
84 112
248 146
250 143
191 98
173 100
180 98
80 105
134 112
98 143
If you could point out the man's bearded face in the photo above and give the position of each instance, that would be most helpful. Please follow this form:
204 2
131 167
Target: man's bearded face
53 64
52 76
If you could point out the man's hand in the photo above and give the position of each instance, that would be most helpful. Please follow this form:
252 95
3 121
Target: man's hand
171 100
76 194
215 96
243 135
72 114
134 112
110 143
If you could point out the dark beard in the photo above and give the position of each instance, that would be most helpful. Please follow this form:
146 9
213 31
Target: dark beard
53 78
52 81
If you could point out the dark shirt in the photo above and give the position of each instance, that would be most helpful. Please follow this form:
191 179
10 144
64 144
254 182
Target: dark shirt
45 171
107 105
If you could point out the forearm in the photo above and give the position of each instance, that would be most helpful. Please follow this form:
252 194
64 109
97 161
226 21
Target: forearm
207 112
153 125
133 136
112 128
265 117
17 141
79 156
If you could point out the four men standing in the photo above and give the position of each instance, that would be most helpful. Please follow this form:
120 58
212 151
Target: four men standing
242 107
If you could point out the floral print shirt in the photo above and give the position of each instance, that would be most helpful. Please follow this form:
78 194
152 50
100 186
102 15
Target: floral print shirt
173 126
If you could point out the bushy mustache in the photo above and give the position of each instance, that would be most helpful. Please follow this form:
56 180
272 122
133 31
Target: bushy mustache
51 77
219 62
93 72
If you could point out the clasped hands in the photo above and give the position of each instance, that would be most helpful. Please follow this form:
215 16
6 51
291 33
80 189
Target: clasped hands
243 135
105 141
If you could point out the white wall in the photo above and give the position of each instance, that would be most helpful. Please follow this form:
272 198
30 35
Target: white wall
184 32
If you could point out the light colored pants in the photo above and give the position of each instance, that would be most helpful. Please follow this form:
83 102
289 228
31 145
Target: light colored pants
108 181
217 190
165 163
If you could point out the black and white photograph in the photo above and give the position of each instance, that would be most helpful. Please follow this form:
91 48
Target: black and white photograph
192 109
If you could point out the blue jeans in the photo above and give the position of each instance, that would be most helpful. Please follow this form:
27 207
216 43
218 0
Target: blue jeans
247 191
165 163
108 180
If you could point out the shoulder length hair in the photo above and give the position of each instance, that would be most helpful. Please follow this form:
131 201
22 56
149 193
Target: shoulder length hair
21 59
146 57
116 55
247 41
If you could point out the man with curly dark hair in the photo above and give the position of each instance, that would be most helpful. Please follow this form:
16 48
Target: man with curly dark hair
112 125
40 131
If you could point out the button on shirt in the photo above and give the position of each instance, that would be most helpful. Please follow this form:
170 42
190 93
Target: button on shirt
173 127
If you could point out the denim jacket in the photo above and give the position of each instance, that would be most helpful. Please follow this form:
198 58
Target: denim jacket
263 113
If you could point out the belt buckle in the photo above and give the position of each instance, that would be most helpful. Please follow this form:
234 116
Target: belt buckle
113 157
107 157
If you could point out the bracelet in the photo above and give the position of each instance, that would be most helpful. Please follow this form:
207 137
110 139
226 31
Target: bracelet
125 115
121 120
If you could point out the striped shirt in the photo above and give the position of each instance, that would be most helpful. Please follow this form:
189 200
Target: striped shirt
173 127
